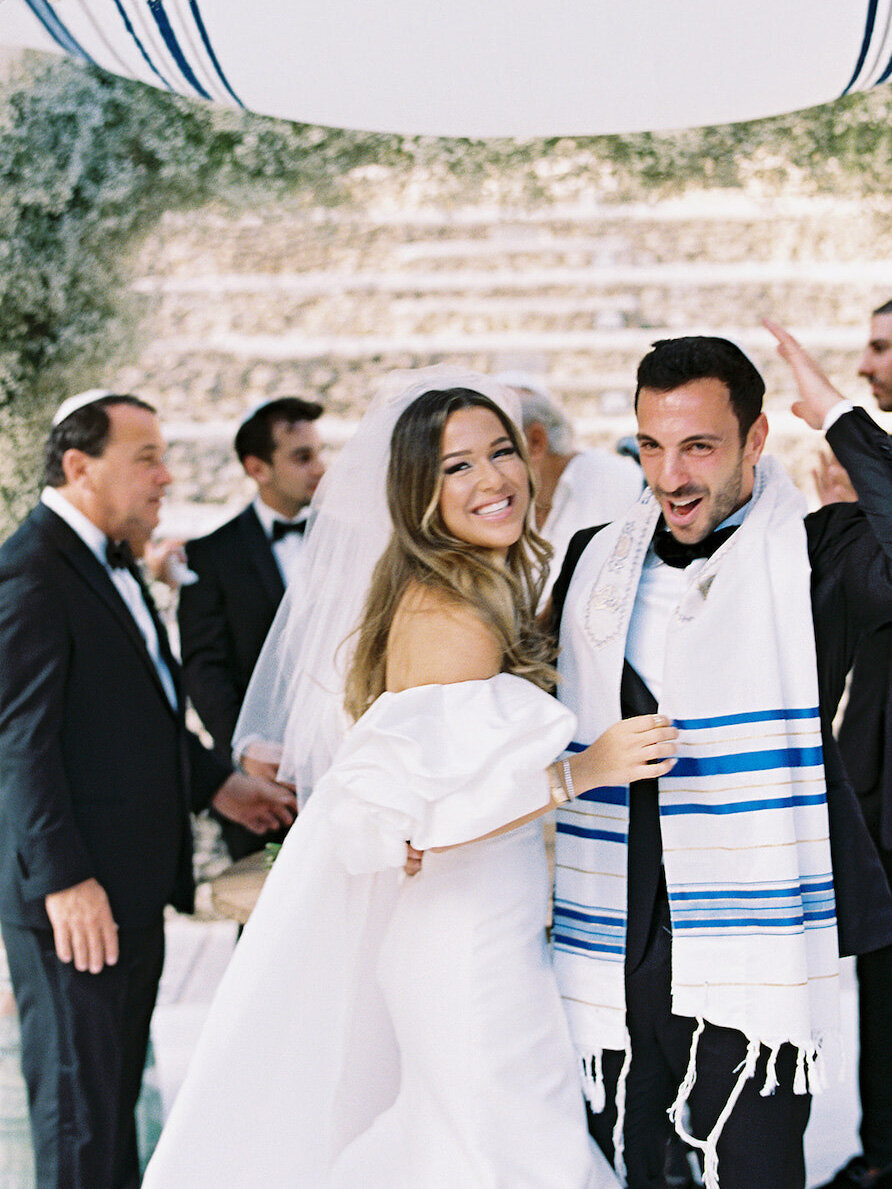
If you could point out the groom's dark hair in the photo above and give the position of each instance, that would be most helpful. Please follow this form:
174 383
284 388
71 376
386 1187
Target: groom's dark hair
672 363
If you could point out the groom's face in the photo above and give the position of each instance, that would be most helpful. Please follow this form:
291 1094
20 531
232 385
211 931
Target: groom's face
693 457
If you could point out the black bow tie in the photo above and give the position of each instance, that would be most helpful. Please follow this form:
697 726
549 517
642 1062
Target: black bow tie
118 554
281 528
678 554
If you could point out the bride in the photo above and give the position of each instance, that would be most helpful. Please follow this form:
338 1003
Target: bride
376 1030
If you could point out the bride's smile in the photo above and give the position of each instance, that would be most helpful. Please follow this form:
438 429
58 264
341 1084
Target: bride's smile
485 491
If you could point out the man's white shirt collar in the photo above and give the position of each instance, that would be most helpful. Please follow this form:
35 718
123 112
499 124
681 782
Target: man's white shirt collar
91 535
268 517
127 586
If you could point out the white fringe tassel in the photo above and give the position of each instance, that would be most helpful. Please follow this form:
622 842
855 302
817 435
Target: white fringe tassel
593 1080
619 1139
771 1082
709 1145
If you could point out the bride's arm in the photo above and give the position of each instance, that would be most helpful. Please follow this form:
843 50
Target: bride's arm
638 748
435 641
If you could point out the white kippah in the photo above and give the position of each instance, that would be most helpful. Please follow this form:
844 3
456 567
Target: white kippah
79 401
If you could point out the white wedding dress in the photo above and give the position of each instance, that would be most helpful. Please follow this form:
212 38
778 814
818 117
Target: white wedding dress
378 1032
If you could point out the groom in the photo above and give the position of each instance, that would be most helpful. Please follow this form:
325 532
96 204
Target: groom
701 432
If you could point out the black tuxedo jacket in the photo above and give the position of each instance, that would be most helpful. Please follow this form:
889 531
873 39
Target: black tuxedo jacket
865 737
850 551
224 618
97 770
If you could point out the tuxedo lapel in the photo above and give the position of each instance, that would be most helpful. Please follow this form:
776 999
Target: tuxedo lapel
260 552
634 695
645 842
94 575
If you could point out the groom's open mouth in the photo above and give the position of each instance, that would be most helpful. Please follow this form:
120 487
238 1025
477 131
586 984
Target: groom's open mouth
680 511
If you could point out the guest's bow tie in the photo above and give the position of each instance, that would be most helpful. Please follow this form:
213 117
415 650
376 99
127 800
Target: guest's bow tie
678 554
281 528
118 554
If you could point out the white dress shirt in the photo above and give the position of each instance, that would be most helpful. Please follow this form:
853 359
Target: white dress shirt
660 590
127 586
288 548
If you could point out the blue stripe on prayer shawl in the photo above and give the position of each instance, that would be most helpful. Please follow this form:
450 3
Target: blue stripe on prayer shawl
885 75
606 795
869 23
586 832
139 45
206 42
730 720
562 910
575 943
816 909
58 31
742 806
614 937
748 761
766 924
156 8
825 885
809 905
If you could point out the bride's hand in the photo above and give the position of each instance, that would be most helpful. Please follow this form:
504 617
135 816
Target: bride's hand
635 749
414 860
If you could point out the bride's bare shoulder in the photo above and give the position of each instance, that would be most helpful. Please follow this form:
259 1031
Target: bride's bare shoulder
438 640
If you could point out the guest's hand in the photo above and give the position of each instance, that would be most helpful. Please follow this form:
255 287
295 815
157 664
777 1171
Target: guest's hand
84 930
635 749
258 804
166 561
261 758
817 396
832 482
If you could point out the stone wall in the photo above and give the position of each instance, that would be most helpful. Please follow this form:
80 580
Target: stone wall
244 304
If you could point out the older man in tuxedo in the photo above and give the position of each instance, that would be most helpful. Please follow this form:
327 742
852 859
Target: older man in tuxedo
97 777
242 570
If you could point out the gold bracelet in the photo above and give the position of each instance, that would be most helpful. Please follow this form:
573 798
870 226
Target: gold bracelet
556 786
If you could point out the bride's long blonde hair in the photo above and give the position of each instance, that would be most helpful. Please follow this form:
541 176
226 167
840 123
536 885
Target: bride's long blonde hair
421 549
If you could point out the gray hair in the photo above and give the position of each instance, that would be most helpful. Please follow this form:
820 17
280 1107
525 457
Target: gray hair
536 404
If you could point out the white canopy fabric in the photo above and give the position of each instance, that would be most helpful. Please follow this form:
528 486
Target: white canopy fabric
480 68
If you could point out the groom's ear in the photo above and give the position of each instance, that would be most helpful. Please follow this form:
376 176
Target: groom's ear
755 440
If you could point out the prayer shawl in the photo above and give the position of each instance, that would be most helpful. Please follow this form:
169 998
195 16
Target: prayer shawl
743 813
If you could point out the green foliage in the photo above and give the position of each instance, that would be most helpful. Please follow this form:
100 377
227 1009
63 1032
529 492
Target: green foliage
87 162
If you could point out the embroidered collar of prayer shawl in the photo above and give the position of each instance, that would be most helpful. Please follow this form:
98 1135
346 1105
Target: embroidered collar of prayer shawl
743 813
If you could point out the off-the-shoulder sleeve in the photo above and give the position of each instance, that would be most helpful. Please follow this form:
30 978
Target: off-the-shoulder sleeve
441 764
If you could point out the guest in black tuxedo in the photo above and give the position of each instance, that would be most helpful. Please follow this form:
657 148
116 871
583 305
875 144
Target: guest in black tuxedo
97 777
242 571
865 742
698 451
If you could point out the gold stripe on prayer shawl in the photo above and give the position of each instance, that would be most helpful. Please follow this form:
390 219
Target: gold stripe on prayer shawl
749 846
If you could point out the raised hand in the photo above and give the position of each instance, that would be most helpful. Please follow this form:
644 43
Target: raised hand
635 749
817 396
